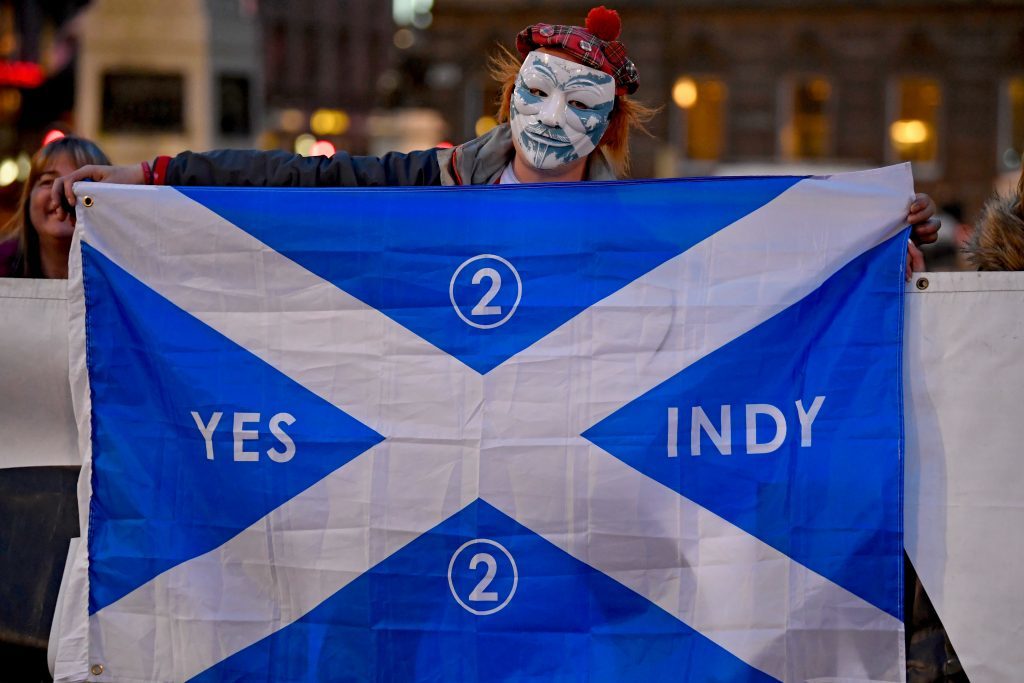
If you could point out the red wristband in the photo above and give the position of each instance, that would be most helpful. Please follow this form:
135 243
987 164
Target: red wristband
147 173
160 170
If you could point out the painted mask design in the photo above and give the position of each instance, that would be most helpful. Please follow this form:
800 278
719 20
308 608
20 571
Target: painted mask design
560 110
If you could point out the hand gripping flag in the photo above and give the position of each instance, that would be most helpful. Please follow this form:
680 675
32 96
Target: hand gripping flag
586 432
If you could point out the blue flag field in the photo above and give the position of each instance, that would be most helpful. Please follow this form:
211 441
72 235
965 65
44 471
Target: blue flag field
642 430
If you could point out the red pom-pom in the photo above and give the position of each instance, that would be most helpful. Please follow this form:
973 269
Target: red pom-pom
604 23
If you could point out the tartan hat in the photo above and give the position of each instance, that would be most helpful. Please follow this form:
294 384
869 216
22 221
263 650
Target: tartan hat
596 45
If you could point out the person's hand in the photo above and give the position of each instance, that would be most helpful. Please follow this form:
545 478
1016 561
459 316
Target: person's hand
62 187
924 228
915 260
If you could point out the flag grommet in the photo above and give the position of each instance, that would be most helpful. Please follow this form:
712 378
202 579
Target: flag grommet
87 201
922 283
96 669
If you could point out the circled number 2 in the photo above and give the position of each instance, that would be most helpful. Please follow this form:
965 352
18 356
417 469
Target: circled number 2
483 307
487 308
491 592
480 593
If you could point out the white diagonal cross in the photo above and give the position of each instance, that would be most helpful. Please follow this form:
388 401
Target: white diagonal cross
511 437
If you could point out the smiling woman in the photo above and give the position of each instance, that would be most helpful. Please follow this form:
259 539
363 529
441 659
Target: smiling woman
37 238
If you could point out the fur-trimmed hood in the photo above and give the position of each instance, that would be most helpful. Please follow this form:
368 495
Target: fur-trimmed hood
998 239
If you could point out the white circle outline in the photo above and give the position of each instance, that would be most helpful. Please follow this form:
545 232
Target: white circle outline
515 576
519 291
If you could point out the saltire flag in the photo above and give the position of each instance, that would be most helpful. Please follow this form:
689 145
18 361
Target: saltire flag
584 432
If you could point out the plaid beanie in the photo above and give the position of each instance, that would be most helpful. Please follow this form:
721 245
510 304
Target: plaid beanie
596 45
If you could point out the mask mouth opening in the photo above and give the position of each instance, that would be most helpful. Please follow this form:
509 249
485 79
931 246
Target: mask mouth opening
552 135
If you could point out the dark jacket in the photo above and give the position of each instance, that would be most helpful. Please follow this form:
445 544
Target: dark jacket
477 162
10 259
251 168
931 657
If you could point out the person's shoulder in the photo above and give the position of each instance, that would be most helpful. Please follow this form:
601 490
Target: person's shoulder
9 252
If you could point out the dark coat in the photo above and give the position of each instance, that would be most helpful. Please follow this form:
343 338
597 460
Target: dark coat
251 168
10 259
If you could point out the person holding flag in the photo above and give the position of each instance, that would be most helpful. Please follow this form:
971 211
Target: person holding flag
567 118
565 114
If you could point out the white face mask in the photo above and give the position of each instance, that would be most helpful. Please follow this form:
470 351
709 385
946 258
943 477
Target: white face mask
559 111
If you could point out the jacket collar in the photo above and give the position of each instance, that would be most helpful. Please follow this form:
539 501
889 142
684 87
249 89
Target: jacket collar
481 161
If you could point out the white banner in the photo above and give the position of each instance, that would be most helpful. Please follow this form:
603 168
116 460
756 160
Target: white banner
964 476
36 421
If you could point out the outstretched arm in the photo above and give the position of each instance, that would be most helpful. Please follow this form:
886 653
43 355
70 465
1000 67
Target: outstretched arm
238 168
250 168
62 195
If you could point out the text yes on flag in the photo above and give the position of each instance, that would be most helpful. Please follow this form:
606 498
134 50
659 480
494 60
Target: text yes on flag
581 432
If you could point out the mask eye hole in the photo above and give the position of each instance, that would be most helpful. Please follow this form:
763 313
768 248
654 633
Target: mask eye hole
576 104
537 92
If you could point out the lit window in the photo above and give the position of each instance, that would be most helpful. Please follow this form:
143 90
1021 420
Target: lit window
807 133
701 102
1012 138
913 130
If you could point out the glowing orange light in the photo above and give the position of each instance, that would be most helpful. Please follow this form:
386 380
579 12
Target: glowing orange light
52 135
329 122
485 124
322 148
908 131
444 145
685 92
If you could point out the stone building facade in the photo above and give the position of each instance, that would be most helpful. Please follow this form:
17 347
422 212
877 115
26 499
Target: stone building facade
156 78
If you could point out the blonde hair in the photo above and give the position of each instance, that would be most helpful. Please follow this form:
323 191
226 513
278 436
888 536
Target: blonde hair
626 114
81 152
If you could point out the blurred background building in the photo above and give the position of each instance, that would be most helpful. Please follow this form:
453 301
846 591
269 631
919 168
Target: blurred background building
745 86
785 86
156 77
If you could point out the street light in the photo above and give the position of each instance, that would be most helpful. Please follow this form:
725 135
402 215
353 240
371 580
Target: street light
304 143
8 172
684 92
484 124
908 131
329 122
